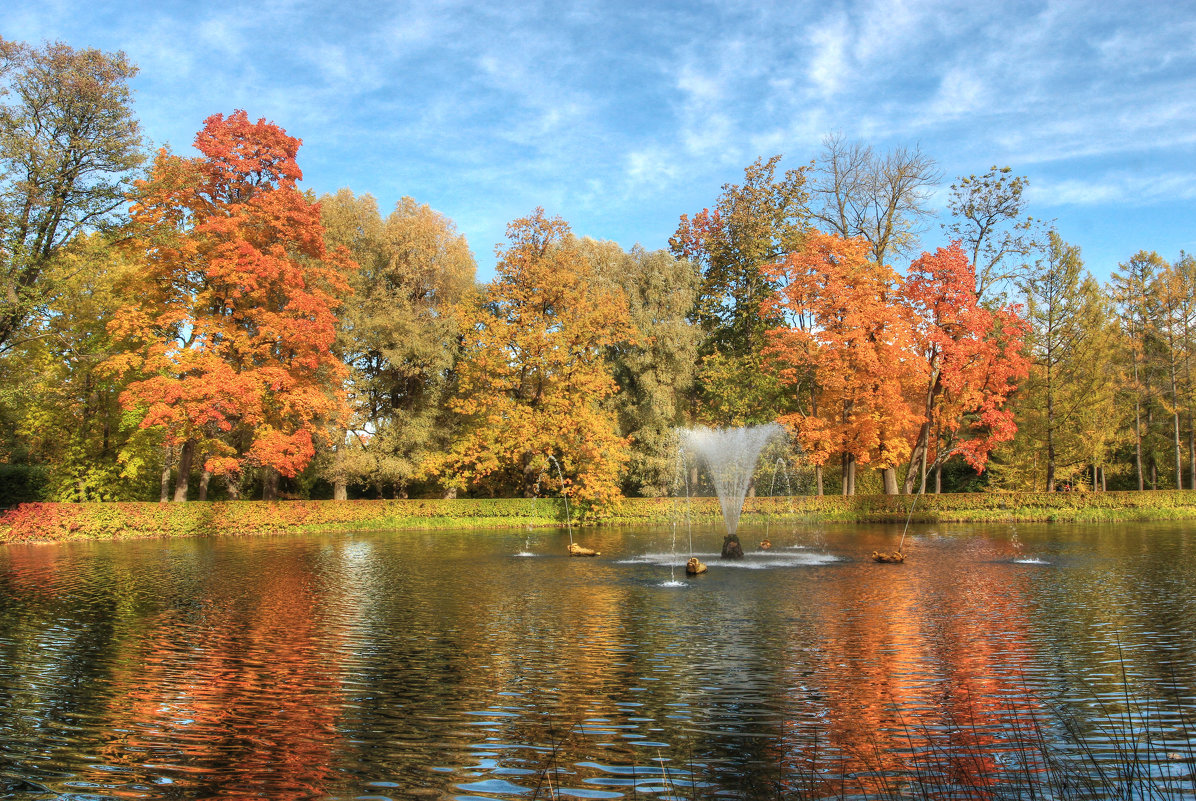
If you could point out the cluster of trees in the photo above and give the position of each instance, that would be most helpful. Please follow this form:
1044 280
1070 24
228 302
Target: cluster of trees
167 320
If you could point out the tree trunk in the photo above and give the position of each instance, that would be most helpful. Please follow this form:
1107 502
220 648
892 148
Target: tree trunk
449 493
818 479
1050 430
1191 454
1138 433
269 484
917 459
340 489
180 484
167 462
1179 470
205 478
938 479
889 475
232 484
922 444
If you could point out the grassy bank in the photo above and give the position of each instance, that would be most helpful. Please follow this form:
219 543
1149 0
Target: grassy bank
53 522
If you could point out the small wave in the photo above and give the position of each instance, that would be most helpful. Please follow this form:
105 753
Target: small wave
525 553
1031 561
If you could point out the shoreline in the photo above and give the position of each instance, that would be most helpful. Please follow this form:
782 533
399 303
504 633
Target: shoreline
65 522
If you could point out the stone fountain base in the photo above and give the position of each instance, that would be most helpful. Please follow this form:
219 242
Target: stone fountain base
731 547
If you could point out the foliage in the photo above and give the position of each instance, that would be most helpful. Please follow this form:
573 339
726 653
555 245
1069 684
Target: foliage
69 417
654 370
68 145
751 226
231 323
56 522
533 375
972 362
845 353
1066 313
1135 304
22 483
399 336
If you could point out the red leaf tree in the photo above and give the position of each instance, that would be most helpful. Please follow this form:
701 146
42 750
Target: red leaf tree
973 360
231 323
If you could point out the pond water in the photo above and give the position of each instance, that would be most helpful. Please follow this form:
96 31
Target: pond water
998 661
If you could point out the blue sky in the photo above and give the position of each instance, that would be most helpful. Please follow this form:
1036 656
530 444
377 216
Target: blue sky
620 116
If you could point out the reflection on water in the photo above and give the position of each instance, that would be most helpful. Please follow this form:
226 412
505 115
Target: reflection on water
453 665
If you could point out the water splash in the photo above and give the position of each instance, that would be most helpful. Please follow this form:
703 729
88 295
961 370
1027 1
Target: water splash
730 455
564 495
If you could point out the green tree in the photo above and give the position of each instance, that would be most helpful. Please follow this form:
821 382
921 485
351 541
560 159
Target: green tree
65 405
752 225
399 336
655 370
68 145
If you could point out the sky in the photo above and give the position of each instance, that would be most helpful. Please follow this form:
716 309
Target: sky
621 116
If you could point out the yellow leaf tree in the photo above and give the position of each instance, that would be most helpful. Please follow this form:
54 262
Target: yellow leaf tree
533 376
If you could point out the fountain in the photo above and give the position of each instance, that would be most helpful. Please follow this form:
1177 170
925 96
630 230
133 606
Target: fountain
730 455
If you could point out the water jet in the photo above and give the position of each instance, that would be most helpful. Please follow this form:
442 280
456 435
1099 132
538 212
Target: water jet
730 456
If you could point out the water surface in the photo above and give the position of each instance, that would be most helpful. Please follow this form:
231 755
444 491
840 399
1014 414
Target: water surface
491 665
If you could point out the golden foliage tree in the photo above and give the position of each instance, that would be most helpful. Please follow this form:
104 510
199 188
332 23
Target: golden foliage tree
533 374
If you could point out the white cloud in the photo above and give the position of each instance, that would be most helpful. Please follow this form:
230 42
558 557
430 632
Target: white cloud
829 68
1121 188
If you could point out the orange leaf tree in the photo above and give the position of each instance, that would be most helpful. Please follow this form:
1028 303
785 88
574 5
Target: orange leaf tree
973 360
533 377
846 354
231 323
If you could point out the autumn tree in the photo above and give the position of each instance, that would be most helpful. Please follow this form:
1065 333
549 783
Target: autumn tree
68 146
972 360
1059 347
845 353
882 198
230 325
1179 285
399 336
533 375
64 405
1131 285
655 369
1172 292
752 225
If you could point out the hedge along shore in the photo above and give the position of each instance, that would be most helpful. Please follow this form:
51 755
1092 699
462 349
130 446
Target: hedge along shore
60 522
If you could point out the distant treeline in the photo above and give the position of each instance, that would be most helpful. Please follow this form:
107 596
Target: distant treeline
198 328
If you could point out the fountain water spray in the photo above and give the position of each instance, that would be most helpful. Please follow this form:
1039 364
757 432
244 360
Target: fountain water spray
730 455
561 477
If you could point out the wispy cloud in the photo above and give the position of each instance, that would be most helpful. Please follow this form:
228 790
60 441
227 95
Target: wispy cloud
627 114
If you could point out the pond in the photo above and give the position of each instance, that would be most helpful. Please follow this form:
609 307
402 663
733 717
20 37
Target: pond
998 661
